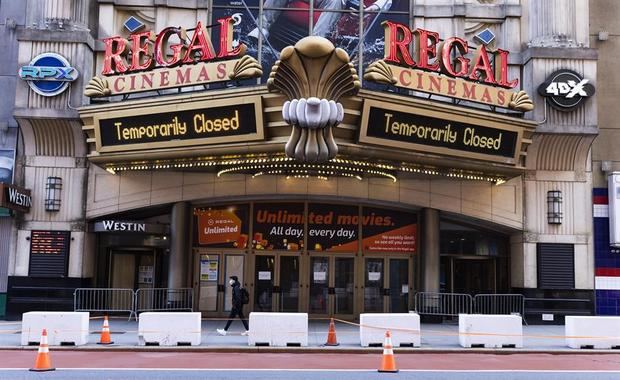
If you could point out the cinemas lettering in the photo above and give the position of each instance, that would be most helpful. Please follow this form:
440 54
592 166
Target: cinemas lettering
201 125
144 51
448 56
170 59
398 126
446 68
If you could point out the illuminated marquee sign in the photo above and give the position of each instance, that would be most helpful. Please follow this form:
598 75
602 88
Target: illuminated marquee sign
48 74
201 123
148 61
406 127
473 79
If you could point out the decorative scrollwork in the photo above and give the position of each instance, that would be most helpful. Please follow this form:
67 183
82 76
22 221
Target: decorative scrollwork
97 87
313 75
521 101
247 67
380 72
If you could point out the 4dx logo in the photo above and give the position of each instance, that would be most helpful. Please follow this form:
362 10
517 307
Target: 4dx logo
565 89
569 88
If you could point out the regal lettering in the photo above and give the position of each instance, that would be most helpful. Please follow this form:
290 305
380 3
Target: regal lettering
448 57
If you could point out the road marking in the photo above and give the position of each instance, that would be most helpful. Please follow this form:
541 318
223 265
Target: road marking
322 370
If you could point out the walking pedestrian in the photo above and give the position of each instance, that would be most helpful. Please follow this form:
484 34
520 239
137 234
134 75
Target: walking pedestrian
237 306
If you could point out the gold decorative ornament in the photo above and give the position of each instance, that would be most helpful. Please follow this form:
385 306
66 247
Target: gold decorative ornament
380 72
97 87
521 101
247 67
313 75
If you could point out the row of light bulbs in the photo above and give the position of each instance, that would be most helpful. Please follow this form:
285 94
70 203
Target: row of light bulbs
282 165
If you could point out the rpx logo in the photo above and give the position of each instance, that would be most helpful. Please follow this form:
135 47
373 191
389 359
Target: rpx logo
47 73
565 89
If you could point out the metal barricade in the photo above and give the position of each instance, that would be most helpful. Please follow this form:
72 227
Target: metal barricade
500 304
106 300
164 299
443 304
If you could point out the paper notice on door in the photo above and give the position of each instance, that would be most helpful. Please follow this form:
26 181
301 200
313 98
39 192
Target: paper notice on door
264 276
320 276
405 289
374 276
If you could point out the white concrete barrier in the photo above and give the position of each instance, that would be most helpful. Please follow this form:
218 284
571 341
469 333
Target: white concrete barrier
169 329
278 329
490 330
404 328
63 327
595 332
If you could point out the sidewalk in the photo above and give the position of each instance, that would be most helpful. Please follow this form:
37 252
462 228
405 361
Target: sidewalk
435 337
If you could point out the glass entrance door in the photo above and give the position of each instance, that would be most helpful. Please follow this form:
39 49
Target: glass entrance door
399 286
344 277
332 286
373 285
319 285
264 279
289 284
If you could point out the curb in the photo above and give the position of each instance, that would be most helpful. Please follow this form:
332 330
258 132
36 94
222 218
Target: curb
317 350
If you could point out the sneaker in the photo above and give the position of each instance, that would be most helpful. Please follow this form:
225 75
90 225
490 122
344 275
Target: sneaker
245 333
221 331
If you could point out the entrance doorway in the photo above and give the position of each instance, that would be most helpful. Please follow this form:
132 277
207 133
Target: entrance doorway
213 269
133 269
332 284
387 284
276 279
468 275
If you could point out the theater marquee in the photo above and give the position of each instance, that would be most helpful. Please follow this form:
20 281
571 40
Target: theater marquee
187 124
440 132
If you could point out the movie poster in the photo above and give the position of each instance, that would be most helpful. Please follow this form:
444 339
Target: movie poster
333 228
223 226
278 226
388 230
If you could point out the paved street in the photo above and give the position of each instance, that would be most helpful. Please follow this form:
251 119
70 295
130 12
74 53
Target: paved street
142 365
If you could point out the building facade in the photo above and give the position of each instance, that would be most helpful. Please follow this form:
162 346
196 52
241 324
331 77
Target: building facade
338 157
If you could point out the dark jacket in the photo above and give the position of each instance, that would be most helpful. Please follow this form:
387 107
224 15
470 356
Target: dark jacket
237 297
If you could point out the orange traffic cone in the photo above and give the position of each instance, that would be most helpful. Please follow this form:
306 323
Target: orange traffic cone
105 332
331 334
43 362
388 364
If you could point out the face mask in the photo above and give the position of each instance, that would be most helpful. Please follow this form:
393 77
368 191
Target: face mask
231 282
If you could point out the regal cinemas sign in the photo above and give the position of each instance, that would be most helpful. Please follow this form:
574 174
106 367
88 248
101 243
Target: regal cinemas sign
446 68
169 59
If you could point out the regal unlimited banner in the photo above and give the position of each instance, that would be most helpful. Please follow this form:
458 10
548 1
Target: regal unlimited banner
333 227
223 227
278 226
388 230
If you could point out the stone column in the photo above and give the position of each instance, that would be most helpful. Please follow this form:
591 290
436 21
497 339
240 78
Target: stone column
430 250
179 232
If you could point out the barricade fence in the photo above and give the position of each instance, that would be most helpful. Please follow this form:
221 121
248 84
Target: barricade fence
164 299
443 304
453 304
114 300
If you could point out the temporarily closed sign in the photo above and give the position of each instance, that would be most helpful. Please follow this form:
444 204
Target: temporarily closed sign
396 126
205 123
